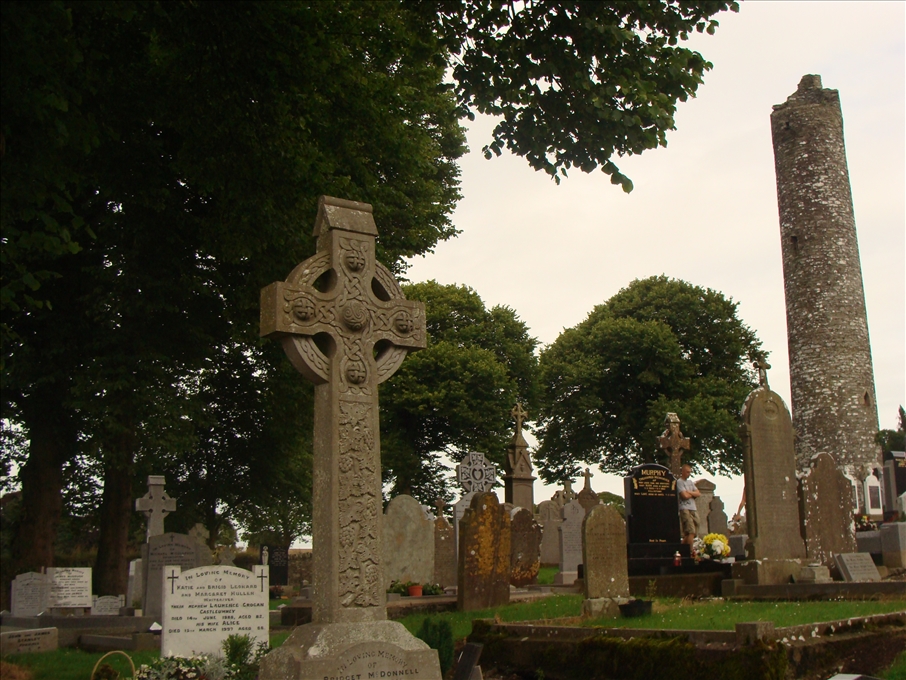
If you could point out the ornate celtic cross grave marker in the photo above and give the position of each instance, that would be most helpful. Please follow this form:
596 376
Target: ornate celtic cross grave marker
346 326
673 442
155 505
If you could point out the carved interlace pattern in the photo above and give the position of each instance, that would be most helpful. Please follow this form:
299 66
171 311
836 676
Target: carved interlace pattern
359 564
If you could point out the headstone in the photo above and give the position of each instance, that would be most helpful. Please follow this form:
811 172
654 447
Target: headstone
444 550
28 594
205 605
549 517
652 508
475 474
738 545
894 479
200 533
134 584
107 605
155 505
893 545
857 567
168 549
226 556
717 518
587 497
570 543
772 507
703 505
604 553
901 504
868 542
874 507
29 641
342 298
525 547
484 555
518 482
69 588
827 521
276 558
673 442
408 542
563 496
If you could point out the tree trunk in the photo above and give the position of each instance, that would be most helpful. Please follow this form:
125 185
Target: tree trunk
111 570
51 443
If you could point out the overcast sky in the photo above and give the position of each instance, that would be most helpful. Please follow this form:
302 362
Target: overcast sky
704 209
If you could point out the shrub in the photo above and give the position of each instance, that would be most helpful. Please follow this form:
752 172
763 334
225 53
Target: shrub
438 635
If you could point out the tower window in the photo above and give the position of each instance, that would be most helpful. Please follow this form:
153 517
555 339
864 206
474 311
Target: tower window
866 398
795 241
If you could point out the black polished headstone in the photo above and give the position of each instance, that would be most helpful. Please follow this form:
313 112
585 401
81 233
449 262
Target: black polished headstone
652 508
277 558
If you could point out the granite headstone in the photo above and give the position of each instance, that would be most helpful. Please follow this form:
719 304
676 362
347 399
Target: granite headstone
570 531
827 521
604 553
408 542
525 548
484 555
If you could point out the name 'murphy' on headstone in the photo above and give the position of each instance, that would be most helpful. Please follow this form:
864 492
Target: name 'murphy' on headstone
205 605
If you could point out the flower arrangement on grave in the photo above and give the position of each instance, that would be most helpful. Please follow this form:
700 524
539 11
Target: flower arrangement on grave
240 661
711 547
865 524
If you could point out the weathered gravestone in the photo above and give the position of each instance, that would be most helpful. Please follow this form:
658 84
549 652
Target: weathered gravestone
68 588
408 542
135 584
200 533
155 505
772 507
824 506
475 474
444 549
587 497
276 559
717 518
346 326
169 549
107 605
525 547
893 545
28 594
570 531
549 517
604 553
205 605
857 567
29 641
518 482
703 504
484 555
226 556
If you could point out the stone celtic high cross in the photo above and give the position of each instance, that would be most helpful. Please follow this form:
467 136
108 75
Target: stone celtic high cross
346 326
673 442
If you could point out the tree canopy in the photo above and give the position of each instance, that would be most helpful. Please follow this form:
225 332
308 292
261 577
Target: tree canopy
456 395
659 345
161 162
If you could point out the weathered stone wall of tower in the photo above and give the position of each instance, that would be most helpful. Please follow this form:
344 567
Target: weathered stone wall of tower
833 391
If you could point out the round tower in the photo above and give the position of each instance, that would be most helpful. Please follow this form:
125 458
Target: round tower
833 389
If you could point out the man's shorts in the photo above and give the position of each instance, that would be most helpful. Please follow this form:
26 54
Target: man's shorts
689 521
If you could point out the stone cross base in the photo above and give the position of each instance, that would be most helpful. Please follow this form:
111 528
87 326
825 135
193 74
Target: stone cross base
379 649
768 572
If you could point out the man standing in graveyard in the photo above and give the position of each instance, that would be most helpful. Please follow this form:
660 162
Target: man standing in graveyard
688 492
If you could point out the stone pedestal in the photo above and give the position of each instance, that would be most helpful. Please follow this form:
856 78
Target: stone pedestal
379 649
767 572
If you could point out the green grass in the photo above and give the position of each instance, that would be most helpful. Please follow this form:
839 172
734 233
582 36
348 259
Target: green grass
546 575
674 614
898 670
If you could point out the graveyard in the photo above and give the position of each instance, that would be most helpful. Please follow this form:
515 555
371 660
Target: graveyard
463 572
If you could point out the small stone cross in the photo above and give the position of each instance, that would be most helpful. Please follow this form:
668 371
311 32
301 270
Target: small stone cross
762 367
587 478
476 473
673 442
156 505
199 533
440 504
519 414
346 326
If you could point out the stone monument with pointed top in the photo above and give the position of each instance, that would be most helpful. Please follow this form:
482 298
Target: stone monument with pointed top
518 481
587 497
346 326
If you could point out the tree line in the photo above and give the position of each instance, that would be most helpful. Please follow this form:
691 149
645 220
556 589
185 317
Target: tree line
161 162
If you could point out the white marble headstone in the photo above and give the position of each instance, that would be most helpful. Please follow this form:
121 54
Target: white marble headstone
204 606
29 594
107 605
69 587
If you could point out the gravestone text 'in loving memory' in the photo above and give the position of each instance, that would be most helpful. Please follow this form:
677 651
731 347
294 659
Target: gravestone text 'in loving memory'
346 326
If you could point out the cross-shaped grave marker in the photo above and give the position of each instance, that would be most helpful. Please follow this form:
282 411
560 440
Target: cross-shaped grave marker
476 473
346 326
762 367
156 505
673 442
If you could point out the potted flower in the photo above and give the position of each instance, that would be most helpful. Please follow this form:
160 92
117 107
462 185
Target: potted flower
415 590
711 547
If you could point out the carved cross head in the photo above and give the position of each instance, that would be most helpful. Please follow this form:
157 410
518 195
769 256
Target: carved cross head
340 314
